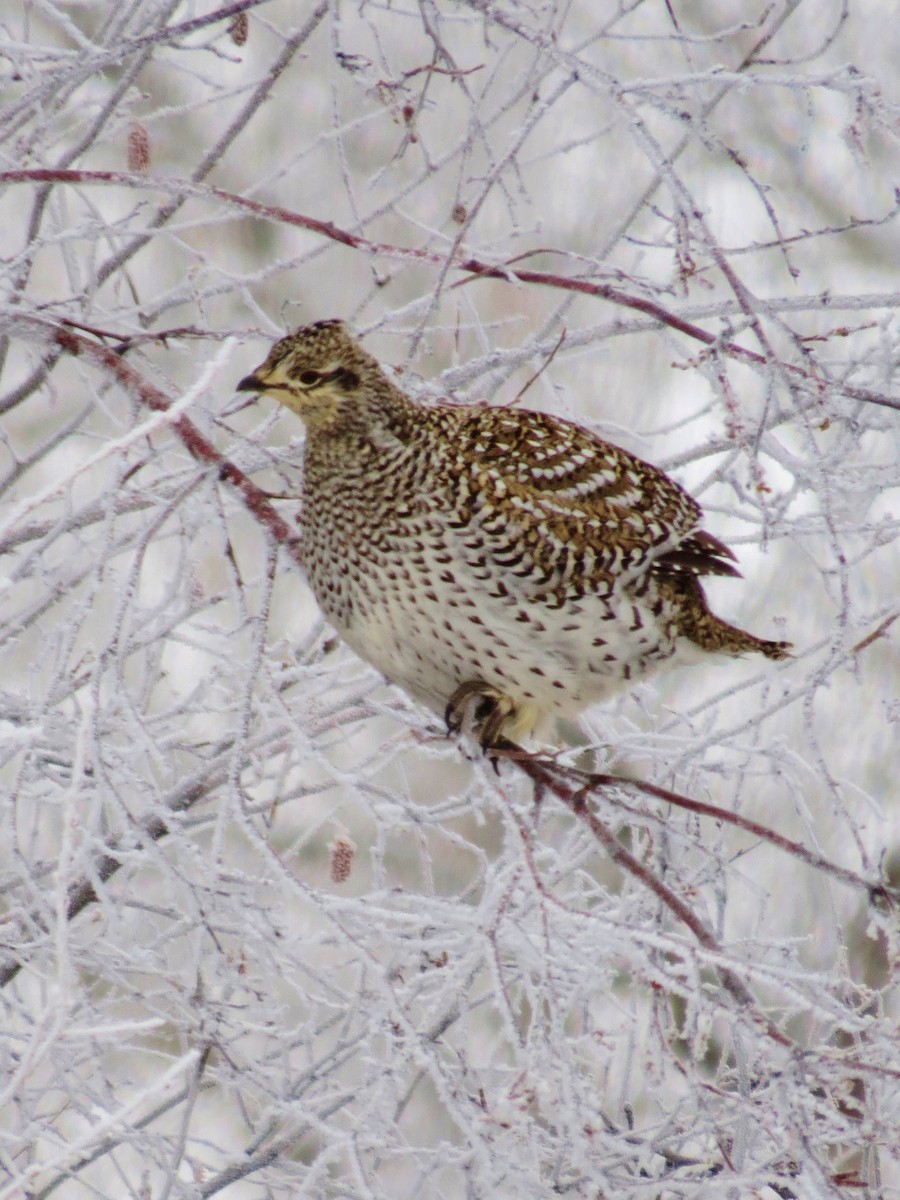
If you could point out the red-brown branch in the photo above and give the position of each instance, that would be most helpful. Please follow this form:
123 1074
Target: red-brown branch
200 447
572 788
474 267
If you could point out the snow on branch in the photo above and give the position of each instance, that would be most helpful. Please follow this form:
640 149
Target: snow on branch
267 929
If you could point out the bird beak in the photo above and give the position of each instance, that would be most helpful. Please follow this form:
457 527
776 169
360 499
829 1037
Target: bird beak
251 383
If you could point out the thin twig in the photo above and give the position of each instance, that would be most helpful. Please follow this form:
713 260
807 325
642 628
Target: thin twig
475 267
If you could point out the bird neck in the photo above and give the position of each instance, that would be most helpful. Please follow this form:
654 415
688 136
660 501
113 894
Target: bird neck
376 414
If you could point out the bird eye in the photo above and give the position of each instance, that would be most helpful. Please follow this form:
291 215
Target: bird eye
310 377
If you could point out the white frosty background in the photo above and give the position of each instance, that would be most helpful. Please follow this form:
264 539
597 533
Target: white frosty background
266 931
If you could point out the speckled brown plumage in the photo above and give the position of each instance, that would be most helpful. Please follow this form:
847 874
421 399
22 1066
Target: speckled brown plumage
490 554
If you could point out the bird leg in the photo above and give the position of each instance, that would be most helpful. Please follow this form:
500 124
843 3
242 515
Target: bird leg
480 709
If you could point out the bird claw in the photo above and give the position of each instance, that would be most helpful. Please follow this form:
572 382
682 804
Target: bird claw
481 710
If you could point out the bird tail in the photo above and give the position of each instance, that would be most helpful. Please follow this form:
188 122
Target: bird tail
728 639
711 633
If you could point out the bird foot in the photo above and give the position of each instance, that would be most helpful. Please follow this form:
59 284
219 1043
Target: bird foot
481 710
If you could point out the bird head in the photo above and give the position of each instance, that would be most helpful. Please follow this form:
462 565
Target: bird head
318 372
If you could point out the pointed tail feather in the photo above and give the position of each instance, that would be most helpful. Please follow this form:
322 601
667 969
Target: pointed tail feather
709 632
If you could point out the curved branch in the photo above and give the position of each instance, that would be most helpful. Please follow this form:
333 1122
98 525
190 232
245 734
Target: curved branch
475 268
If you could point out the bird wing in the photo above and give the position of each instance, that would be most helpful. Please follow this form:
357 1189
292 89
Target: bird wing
586 491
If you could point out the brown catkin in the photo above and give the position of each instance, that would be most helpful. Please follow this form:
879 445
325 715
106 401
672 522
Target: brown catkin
343 851
239 28
138 147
